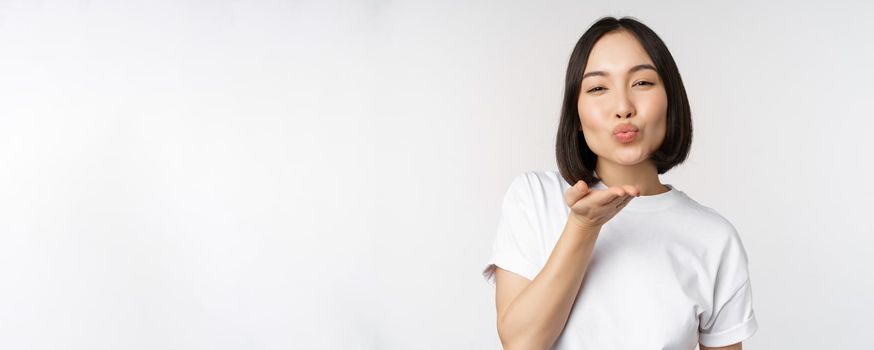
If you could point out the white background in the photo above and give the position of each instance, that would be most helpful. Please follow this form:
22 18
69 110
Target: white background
328 175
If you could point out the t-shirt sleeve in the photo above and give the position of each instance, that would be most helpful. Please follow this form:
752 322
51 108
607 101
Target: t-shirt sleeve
731 318
517 245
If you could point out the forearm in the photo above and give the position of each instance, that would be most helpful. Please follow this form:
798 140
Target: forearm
536 317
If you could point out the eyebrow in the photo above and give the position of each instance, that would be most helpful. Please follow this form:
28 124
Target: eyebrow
632 70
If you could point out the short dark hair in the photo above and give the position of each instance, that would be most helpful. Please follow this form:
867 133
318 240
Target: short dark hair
575 160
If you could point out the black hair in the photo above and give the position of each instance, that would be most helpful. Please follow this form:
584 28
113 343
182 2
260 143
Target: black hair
575 160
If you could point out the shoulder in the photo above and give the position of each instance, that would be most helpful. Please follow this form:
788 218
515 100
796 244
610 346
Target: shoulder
713 228
708 218
533 180
539 187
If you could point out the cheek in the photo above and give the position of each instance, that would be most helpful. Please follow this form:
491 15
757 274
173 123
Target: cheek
593 124
655 104
591 115
657 136
655 110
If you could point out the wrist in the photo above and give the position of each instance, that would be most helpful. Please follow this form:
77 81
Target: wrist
581 224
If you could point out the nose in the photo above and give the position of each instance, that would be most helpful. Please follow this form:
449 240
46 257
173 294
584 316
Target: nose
624 106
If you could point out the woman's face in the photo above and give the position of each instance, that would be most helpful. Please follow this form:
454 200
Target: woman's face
615 91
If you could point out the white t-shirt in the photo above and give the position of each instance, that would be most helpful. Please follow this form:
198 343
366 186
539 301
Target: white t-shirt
666 272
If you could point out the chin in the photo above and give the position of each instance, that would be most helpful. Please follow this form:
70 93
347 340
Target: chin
633 162
630 157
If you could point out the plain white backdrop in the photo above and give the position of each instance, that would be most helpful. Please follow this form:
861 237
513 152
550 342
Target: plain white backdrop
328 175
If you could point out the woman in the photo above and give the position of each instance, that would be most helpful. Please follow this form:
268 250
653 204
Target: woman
618 260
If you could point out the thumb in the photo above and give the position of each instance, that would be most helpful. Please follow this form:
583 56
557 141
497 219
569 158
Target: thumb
581 187
576 192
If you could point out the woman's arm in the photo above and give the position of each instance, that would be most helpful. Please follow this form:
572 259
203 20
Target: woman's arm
735 346
532 314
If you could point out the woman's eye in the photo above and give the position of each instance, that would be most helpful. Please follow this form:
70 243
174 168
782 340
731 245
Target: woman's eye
598 88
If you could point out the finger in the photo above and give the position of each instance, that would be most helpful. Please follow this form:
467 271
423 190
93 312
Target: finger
631 190
576 192
624 201
609 195
619 199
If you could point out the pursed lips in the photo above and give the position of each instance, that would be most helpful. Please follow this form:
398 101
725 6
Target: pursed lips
622 128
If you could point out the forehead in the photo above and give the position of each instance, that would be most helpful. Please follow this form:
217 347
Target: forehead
616 51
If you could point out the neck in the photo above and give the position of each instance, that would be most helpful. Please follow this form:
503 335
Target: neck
643 175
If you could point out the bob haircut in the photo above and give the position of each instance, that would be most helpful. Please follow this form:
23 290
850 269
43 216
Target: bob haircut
575 160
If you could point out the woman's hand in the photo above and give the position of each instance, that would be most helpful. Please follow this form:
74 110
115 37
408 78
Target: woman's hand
593 208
